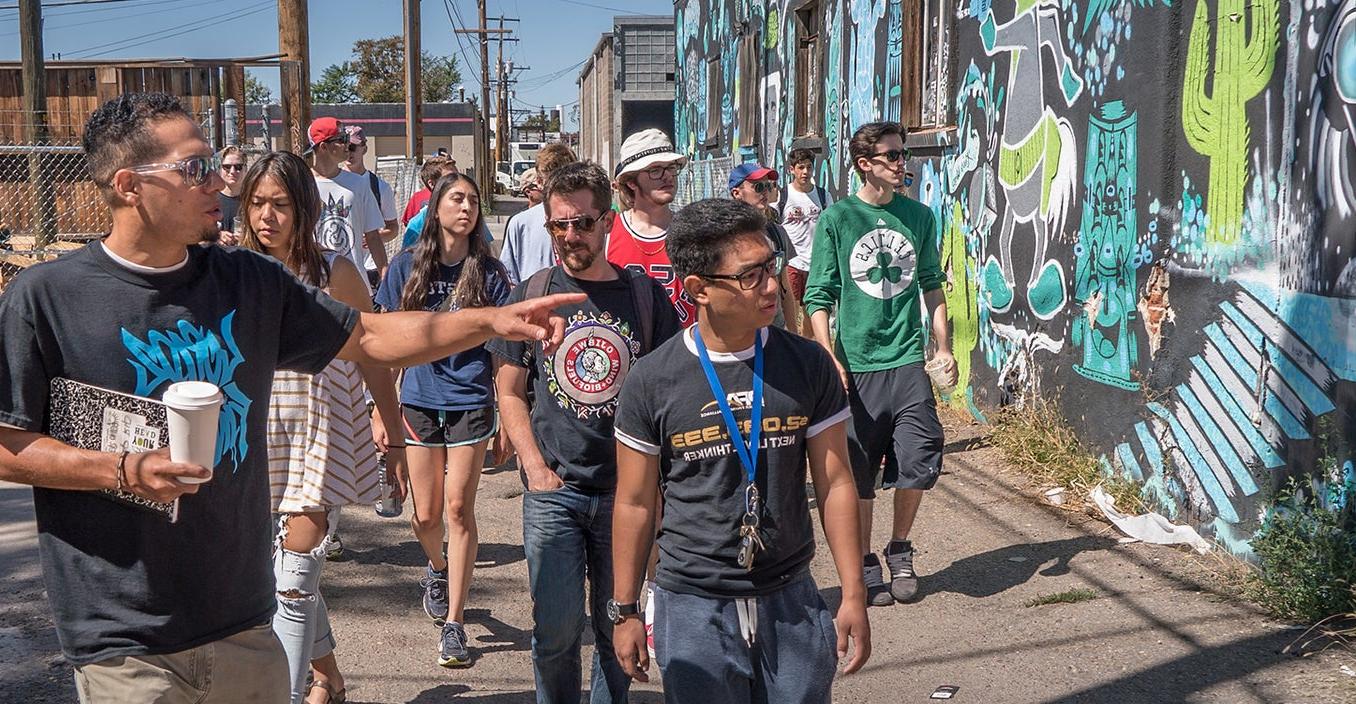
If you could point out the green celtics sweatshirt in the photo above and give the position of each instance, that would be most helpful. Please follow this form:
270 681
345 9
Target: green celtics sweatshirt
873 263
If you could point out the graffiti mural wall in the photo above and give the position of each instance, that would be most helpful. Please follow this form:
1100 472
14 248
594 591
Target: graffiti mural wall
1147 210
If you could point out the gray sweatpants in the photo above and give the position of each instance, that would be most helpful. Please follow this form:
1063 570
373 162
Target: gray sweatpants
705 659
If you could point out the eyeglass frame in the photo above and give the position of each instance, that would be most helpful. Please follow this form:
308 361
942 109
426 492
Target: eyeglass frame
777 261
238 166
212 165
564 224
904 155
664 170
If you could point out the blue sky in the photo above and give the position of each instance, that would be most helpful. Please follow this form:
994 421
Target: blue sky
554 34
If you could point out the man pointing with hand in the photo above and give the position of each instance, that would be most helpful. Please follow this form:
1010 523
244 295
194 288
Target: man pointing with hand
148 610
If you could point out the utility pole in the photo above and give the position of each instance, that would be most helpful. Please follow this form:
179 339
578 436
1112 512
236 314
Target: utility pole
414 89
484 169
501 105
34 78
294 43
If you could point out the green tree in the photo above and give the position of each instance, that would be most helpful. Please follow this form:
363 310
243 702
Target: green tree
256 93
378 71
337 84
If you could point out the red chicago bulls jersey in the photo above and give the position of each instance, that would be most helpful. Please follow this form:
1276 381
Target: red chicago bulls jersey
649 256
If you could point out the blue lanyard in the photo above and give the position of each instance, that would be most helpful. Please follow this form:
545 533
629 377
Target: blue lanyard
748 454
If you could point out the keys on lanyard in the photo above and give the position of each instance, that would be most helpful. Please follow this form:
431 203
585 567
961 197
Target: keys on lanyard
749 540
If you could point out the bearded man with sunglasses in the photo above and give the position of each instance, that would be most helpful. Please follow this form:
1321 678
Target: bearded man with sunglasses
875 254
149 610
563 436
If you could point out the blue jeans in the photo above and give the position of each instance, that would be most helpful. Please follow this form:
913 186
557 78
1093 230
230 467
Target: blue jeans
704 659
567 535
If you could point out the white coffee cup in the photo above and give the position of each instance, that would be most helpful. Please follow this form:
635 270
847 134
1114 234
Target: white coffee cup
193 409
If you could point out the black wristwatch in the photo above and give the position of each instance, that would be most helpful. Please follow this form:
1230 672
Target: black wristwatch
618 613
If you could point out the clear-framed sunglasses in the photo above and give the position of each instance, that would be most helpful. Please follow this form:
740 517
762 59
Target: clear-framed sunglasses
195 169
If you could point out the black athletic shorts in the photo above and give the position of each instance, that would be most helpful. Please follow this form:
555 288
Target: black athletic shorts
430 427
894 439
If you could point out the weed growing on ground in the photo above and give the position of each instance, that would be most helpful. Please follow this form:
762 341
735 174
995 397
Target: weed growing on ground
1072 596
1036 439
1307 557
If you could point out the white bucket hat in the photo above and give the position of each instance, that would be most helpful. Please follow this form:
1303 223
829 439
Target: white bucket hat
644 148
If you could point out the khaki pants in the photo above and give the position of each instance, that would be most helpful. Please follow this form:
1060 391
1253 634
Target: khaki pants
247 667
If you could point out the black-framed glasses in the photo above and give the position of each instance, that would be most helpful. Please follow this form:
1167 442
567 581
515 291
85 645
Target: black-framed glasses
658 172
764 186
233 167
893 155
195 169
580 223
756 275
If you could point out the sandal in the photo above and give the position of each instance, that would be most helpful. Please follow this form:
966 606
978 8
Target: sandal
331 696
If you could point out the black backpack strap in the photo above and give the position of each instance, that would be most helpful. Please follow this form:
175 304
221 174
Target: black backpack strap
375 186
642 297
821 197
536 286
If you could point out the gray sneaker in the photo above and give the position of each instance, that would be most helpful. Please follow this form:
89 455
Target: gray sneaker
877 594
452 650
435 594
903 580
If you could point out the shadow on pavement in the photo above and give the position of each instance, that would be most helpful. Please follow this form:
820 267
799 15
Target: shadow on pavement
404 554
463 693
996 571
1177 680
498 554
502 637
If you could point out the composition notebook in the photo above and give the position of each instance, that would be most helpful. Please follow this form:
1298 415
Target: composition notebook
95 418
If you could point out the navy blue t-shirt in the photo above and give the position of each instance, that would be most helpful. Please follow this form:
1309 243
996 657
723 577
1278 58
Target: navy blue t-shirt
458 383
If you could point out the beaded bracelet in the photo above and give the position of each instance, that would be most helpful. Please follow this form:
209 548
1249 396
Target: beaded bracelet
121 474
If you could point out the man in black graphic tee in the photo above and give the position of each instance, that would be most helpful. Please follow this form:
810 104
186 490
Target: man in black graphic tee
722 419
136 598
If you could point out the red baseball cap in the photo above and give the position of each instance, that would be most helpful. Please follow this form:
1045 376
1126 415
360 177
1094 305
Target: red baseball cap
322 129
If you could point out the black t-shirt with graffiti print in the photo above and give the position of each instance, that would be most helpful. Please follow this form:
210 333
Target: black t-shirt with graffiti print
122 581
667 409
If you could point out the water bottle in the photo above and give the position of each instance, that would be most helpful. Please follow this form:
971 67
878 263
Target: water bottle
389 506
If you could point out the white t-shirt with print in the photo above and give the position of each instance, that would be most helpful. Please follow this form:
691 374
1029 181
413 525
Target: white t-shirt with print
799 218
347 211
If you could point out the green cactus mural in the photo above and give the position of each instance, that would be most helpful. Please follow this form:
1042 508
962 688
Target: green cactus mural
1213 104
962 306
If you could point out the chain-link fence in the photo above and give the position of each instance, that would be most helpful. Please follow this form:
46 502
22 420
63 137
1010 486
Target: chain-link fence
48 203
703 178
403 176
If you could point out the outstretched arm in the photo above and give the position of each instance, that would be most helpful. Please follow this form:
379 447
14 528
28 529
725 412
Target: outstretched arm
410 338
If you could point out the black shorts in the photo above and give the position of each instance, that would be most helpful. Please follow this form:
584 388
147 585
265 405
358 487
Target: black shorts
895 438
430 427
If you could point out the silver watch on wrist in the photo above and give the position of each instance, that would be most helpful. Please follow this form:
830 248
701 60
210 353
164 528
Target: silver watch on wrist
618 613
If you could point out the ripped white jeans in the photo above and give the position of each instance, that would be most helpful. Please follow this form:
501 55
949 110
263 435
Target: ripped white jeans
301 622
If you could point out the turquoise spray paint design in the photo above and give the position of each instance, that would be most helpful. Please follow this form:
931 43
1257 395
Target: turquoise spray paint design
1107 253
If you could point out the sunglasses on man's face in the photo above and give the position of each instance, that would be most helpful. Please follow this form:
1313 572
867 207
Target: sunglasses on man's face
196 170
893 155
764 186
580 223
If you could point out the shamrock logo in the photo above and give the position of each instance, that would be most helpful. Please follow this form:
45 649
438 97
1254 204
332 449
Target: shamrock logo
883 269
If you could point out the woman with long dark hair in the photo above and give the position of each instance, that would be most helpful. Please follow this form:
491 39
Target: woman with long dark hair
447 406
322 453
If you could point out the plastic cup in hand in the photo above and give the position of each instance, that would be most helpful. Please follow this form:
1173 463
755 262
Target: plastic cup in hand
193 409
936 369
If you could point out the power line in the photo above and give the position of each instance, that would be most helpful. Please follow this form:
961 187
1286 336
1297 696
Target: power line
450 8
169 32
119 17
602 7
64 3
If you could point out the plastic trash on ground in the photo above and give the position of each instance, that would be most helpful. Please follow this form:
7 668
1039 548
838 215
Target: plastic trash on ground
1150 527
